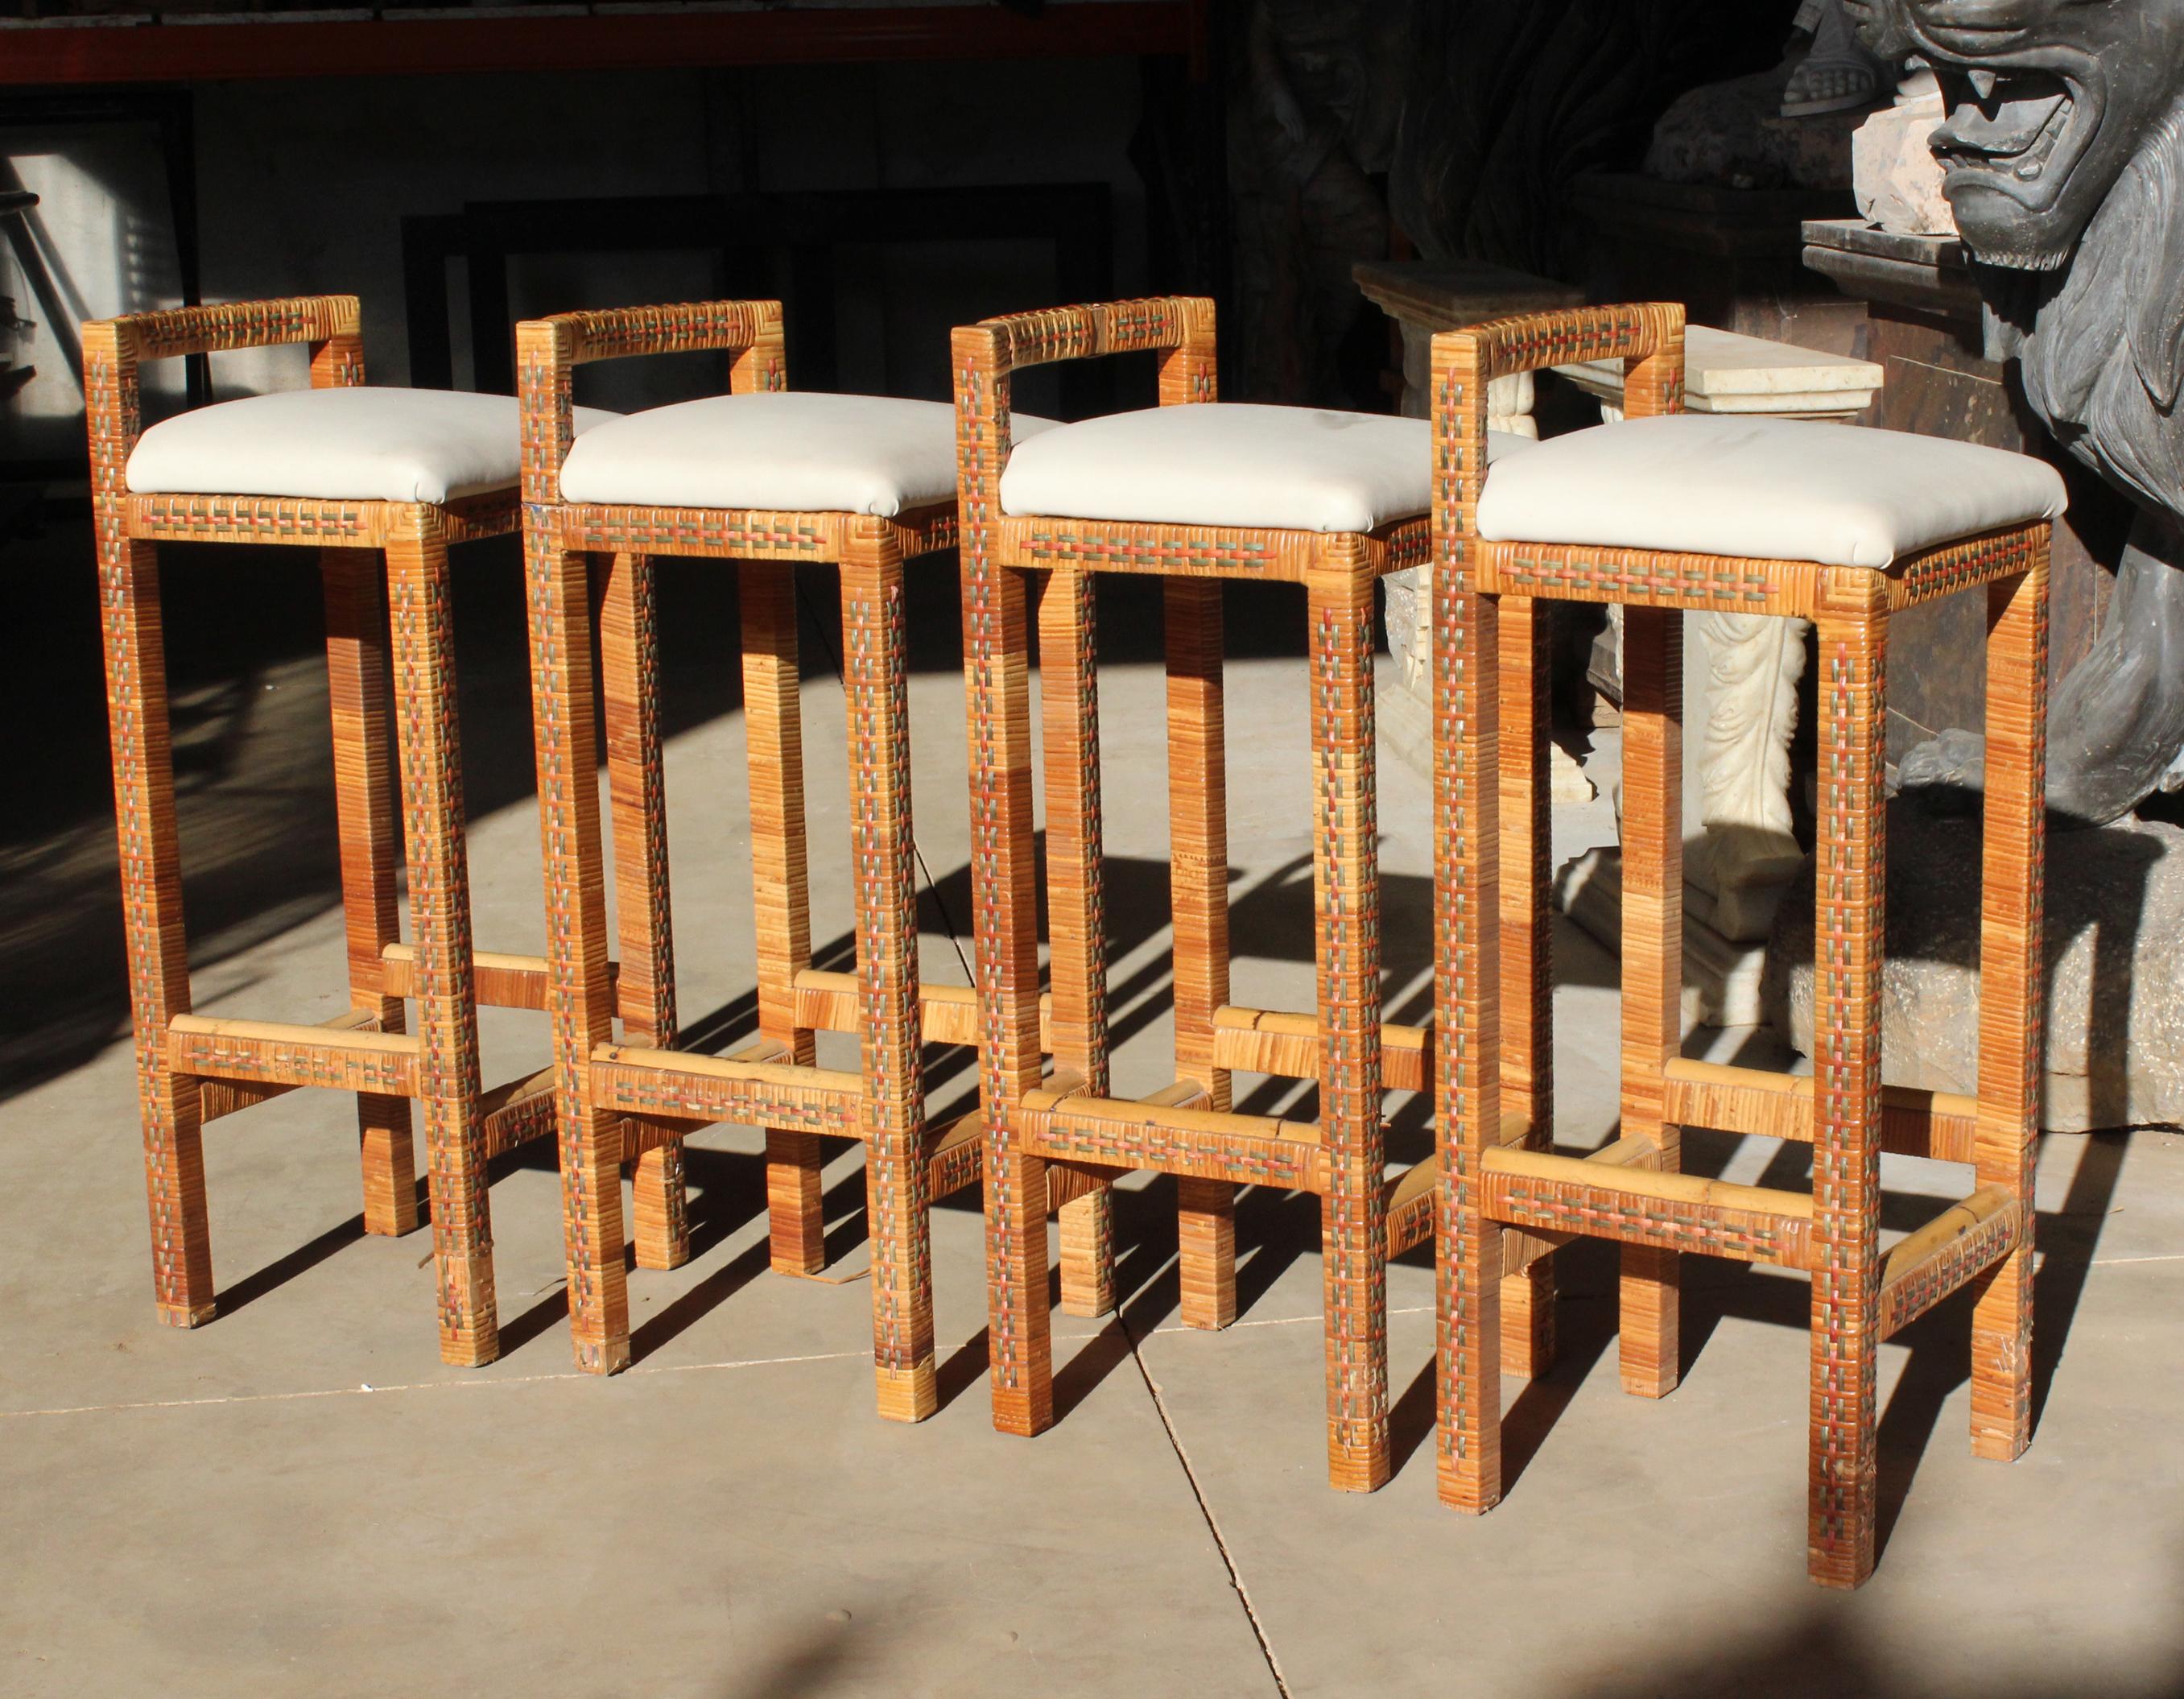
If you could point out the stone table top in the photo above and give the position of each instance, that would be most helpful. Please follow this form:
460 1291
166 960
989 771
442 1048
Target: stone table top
1435 295
1927 274
1726 372
1856 236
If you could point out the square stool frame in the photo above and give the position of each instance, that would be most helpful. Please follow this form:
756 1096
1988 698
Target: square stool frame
1068 1122
1503 1204
395 716
640 1095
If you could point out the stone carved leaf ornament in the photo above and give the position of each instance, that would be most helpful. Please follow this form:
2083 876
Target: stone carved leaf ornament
1754 663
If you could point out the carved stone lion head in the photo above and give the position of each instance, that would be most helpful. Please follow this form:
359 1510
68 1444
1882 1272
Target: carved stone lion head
2048 101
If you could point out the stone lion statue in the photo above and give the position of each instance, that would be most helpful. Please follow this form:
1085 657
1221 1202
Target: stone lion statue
2064 148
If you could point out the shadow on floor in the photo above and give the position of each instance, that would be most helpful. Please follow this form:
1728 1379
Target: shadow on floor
1824 1654
243 622
243 627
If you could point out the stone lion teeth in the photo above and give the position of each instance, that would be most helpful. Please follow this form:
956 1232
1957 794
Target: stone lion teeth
1983 82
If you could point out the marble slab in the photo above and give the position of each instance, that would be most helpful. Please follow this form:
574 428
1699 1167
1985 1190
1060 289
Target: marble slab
1437 296
1726 372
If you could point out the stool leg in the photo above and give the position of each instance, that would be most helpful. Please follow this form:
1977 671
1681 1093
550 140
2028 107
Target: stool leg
581 1006
152 909
1653 965
2012 1052
1198 887
780 907
1077 908
1852 870
637 794
996 661
1467 1287
1088 1251
440 924
359 688
876 654
1346 904
1527 922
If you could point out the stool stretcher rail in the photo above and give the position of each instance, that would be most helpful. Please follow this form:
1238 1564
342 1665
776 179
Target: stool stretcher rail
281 1053
502 980
518 1112
217 1097
1683 1212
827 1002
1939 1125
1195 1144
667 1085
1272 1040
1956 1247
1411 1197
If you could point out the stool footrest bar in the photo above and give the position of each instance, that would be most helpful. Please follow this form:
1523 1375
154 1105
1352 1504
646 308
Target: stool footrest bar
827 1002
1274 1041
518 1112
1629 1151
956 1154
1681 1212
1961 1243
501 981
1521 1248
218 1098
668 1084
279 1053
642 1133
1412 1196
1069 1180
1170 1138
1939 1125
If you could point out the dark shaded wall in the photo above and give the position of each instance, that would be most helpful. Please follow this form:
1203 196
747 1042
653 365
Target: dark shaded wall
1368 129
1504 101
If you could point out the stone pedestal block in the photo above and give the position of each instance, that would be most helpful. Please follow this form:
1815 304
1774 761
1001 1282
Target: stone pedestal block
2115 966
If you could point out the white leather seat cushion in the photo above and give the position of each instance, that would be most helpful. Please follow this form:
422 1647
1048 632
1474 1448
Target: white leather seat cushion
785 450
1232 463
1769 489
364 442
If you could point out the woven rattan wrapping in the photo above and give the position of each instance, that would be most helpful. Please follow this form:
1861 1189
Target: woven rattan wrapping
1012 564
392 692
1487 811
779 1087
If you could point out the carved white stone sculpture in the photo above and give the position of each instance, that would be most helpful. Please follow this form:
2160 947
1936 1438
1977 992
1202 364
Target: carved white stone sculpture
1740 673
1747 852
1837 73
1894 174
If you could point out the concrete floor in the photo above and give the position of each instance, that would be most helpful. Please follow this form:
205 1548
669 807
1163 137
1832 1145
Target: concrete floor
299 1498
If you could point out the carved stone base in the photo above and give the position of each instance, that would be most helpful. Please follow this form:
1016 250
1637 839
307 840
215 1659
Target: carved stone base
2114 915
1721 976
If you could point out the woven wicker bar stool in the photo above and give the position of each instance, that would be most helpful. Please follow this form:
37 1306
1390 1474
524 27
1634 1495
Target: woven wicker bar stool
773 480
1192 492
358 473
1845 527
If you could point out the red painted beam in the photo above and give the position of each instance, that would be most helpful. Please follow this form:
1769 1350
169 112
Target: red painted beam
398 45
